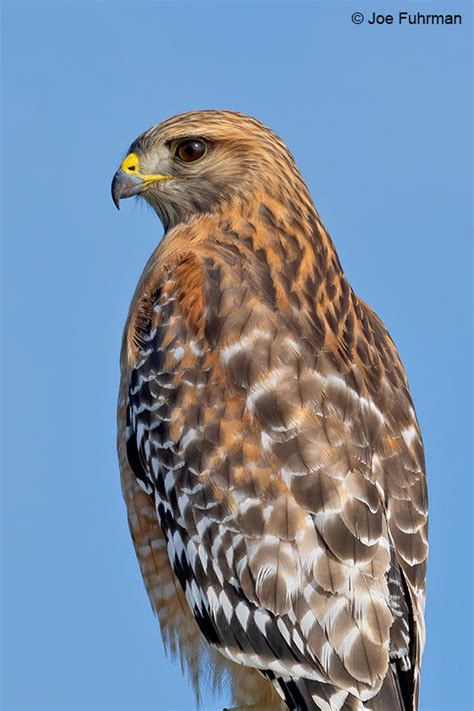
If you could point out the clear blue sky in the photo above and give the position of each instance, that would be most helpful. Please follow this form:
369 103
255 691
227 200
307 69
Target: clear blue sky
379 121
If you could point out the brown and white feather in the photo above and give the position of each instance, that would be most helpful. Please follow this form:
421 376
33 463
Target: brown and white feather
271 459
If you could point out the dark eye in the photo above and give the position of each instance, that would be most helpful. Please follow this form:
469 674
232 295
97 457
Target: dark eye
190 150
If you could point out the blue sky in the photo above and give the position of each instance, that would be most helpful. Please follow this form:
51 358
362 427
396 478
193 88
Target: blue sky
379 121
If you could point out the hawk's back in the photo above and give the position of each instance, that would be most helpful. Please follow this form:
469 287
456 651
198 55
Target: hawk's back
269 438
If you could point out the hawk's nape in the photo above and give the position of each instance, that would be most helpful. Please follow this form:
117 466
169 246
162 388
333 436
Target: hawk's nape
271 458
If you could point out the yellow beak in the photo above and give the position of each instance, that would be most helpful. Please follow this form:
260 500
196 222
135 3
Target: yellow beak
129 181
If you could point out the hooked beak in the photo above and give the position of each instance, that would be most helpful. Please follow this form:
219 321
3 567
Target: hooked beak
125 185
128 180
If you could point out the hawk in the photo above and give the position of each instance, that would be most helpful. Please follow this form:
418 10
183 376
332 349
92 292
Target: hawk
271 460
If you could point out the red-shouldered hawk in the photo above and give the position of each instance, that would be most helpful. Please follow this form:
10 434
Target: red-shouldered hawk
271 459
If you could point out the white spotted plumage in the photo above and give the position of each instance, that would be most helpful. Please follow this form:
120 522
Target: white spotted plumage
266 419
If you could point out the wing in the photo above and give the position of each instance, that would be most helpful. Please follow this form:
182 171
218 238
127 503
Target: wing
178 628
399 466
285 462
180 632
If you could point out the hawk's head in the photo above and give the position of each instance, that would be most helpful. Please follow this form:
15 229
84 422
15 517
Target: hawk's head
193 162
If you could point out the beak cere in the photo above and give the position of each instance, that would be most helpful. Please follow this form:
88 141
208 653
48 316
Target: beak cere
125 185
128 180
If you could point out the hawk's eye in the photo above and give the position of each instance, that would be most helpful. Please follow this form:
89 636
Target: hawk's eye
190 150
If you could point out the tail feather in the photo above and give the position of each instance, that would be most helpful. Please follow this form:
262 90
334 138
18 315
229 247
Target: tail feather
390 696
309 695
